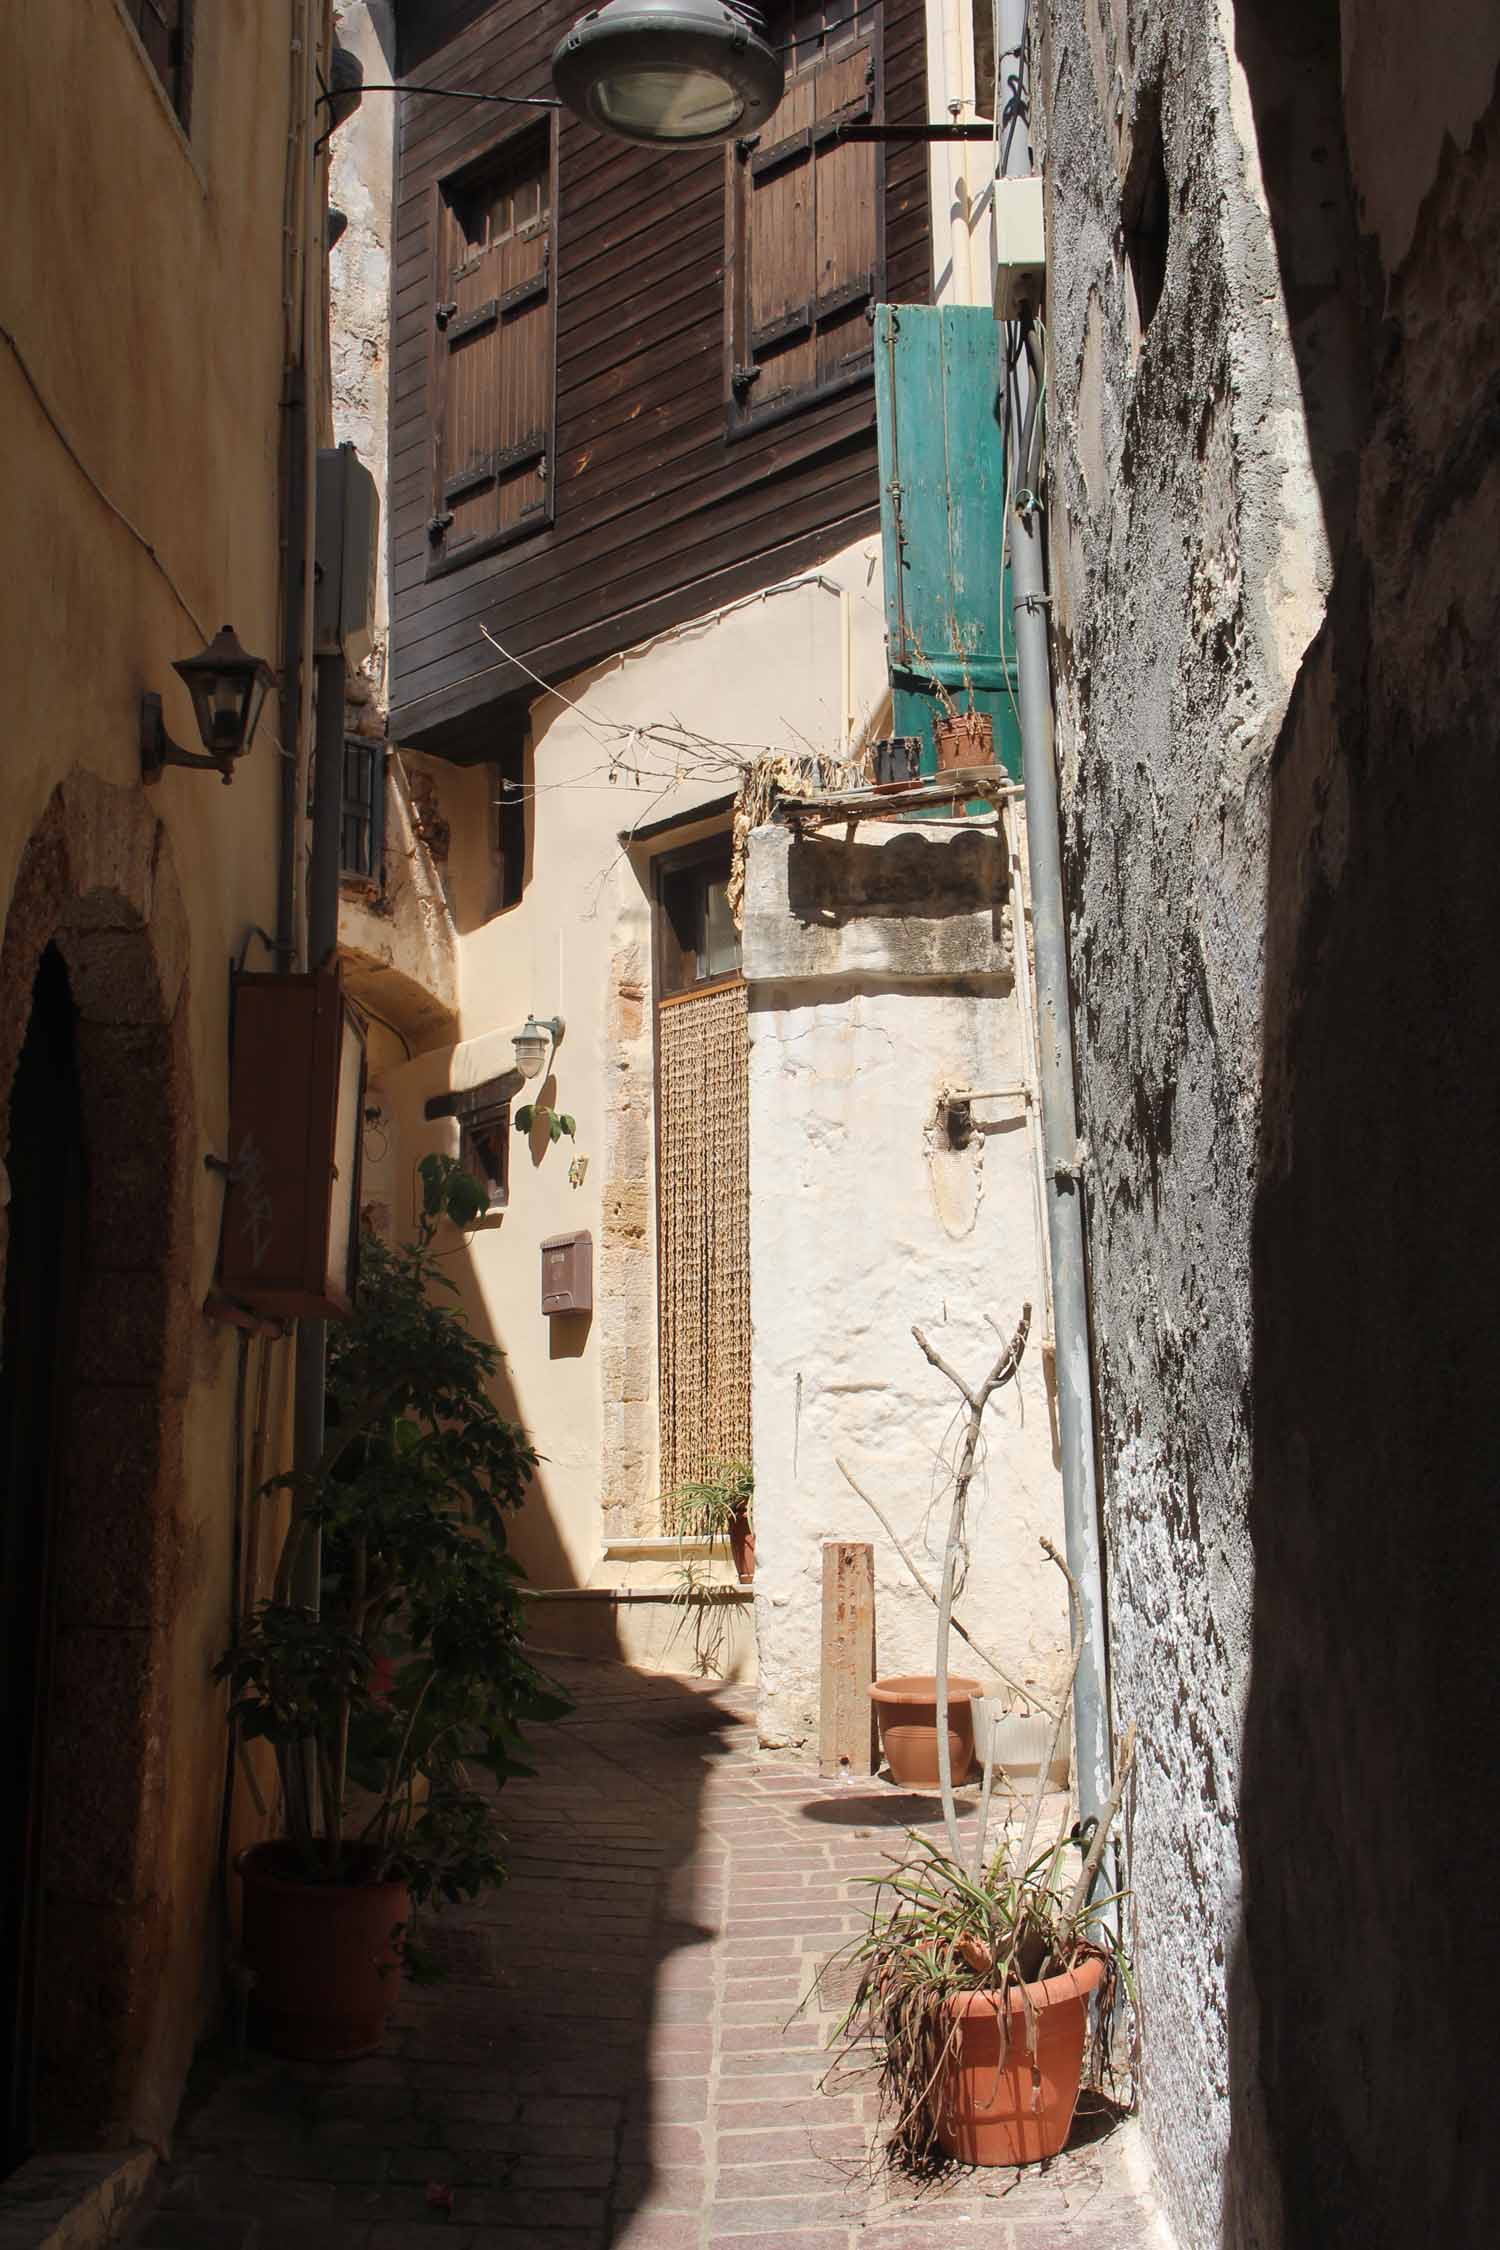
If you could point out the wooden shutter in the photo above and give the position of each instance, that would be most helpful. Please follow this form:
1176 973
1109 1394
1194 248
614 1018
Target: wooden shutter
805 242
493 354
942 506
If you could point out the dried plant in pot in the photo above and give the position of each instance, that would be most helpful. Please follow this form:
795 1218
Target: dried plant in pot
384 1703
980 1972
977 1991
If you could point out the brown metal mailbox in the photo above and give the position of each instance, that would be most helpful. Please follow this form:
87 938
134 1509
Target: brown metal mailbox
291 1221
568 1273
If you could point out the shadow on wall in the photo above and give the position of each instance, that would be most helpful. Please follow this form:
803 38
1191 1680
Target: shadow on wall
534 1537
1368 1824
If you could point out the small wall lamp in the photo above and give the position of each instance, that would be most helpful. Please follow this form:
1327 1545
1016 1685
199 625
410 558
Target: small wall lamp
229 688
536 1042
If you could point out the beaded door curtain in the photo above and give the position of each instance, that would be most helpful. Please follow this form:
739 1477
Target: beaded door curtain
704 1233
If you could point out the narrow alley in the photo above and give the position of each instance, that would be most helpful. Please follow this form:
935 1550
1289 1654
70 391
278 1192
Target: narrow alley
613 2057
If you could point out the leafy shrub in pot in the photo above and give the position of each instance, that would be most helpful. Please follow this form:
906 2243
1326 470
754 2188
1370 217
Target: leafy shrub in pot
410 1675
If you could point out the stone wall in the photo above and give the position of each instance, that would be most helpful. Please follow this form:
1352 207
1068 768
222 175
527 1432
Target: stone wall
1273 441
880 974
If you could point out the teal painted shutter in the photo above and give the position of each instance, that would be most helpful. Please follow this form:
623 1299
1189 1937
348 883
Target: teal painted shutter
942 521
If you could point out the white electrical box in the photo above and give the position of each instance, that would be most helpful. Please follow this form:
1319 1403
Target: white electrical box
1020 246
347 555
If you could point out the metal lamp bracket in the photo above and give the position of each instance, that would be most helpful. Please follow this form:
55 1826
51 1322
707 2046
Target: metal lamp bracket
158 750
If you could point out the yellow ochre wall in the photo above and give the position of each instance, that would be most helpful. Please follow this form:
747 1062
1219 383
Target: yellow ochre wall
142 282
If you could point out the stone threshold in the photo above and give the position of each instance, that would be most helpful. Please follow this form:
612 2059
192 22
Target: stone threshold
61 2201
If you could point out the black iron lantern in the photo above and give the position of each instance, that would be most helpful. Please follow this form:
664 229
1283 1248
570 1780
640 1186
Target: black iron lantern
229 688
674 73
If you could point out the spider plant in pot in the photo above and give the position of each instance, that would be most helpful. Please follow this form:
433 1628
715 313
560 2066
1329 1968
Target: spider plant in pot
718 1505
384 1702
977 1989
978 1973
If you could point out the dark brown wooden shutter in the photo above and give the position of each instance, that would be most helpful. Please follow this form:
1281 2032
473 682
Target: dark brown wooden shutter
805 236
493 355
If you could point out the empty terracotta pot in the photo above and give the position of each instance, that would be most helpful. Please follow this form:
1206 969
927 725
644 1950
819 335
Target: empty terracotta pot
906 1711
326 1956
1018 2110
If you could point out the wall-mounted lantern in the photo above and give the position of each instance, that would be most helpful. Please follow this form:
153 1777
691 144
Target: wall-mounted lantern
229 688
291 1221
536 1042
675 73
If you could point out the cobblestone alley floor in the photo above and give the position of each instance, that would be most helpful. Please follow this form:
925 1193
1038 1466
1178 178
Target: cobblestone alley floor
608 2063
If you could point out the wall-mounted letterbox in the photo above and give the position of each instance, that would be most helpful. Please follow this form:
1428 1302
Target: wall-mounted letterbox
568 1273
291 1222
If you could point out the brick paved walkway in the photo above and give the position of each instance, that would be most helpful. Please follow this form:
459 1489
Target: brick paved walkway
608 2063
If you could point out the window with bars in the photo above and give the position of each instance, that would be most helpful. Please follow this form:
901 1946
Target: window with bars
805 231
362 811
166 32
493 385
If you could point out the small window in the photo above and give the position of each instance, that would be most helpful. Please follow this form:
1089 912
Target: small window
805 224
698 941
166 28
493 353
508 824
483 1116
362 811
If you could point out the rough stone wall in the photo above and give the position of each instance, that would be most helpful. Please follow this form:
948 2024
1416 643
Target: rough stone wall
1273 504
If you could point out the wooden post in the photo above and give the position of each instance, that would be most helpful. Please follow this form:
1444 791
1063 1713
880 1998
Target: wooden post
846 1730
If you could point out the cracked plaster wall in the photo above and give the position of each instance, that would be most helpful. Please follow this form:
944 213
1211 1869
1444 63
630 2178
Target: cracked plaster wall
1268 517
879 973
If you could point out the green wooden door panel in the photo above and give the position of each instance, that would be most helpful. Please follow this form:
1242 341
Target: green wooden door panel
942 520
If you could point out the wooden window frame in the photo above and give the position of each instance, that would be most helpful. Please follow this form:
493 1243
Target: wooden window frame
453 184
742 415
351 809
483 1111
714 852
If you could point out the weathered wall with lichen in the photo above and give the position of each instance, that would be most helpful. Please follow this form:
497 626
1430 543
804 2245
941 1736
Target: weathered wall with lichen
1274 508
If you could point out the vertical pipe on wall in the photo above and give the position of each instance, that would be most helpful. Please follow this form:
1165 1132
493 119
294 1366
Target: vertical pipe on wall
1064 1184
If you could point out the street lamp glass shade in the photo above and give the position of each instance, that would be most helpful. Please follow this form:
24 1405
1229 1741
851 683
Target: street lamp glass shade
678 73
229 688
532 1043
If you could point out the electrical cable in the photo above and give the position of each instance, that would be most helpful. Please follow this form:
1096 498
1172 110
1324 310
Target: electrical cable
89 478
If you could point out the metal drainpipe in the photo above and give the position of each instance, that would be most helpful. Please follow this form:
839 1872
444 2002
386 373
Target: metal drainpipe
1093 1758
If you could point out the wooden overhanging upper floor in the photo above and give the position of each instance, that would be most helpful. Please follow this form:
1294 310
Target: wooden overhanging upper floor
628 384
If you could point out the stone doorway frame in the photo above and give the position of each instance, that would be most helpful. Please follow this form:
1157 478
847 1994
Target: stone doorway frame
96 879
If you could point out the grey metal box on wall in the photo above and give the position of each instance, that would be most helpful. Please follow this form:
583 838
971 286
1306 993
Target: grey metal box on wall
347 553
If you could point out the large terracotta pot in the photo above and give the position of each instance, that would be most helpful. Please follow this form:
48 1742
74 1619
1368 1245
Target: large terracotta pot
326 1957
1019 2110
906 1709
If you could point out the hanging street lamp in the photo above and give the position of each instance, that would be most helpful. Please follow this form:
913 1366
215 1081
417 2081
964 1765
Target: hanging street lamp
672 73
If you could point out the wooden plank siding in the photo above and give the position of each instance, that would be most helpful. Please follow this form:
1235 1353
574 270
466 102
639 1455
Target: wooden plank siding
665 495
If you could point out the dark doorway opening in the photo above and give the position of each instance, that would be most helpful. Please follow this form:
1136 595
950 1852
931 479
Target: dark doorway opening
44 1163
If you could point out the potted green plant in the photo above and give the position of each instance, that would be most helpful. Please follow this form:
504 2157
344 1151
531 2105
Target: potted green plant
718 1505
409 1675
976 1981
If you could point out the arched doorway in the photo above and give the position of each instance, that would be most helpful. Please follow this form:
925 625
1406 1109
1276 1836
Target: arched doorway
96 1100
45 1212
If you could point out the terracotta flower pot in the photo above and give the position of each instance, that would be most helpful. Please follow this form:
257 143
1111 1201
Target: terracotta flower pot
742 1546
1019 2109
906 1709
326 1956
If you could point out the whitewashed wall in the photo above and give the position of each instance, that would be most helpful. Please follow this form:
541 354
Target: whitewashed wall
869 994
